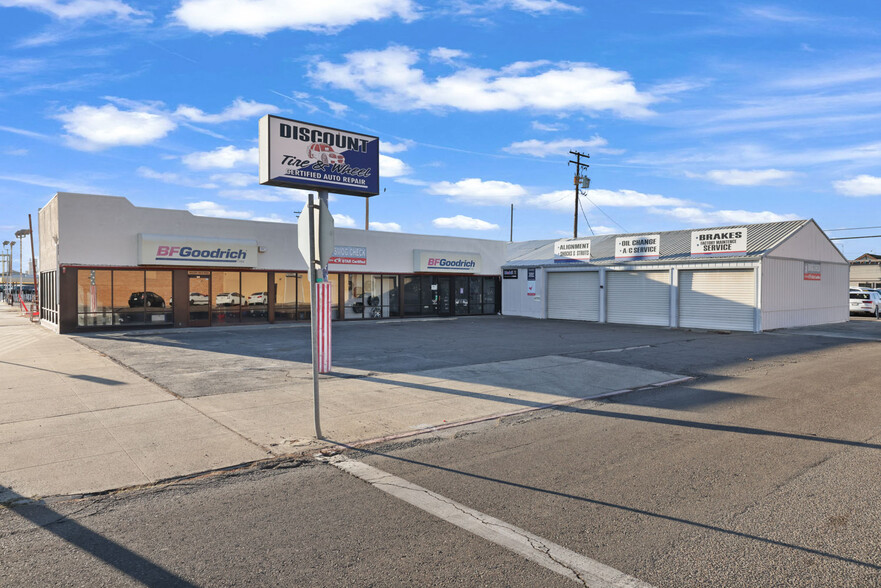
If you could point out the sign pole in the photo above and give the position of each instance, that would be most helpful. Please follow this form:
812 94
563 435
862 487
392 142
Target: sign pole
313 314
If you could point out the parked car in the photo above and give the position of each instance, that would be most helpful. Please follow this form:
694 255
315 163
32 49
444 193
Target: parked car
865 301
149 299
258 298
228 299
198 299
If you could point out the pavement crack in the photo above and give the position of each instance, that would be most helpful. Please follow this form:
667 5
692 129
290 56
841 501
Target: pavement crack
534 542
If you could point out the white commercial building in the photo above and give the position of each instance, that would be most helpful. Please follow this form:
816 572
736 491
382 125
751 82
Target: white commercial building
109 264
745 278
106 263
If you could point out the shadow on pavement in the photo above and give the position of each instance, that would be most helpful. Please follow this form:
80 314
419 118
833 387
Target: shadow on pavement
629 509
84 377
113 554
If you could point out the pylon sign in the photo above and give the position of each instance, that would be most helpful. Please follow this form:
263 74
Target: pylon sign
295 154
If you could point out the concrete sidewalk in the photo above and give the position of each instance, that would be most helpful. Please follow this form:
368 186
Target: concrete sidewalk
74 421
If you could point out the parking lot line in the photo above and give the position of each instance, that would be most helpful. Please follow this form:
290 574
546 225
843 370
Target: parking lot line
554 557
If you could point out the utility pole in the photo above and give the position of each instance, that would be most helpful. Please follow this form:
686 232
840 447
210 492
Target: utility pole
512 222
578 168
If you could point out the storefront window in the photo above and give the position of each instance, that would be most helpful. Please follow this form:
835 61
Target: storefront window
94 298
130 298
475 297
286 296
159 297
412 295
255 297
489 295
389 296
226 299
354 304
304 298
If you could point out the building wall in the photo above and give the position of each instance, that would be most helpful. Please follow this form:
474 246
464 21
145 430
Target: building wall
865 273
103 230
49 237
809 243
788 300
517 302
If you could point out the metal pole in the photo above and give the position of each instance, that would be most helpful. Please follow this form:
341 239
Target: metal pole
11 283
36 300
512 223
575 228
367 213
313 275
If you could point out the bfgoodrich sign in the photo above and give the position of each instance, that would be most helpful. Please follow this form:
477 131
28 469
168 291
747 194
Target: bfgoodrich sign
196 251
446 261
296 154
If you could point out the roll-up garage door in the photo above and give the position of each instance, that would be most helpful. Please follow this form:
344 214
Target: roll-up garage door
717 299
638 298
574 296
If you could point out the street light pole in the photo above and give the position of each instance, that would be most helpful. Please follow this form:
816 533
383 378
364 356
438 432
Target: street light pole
11 247
5 261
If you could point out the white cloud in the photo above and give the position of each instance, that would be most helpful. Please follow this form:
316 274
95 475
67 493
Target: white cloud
390 80
701 217
386 147
477 191
542 6
445 55
751 177
208 208
90 128
236 179
564 200
259 17
464 222
862 185
392 167
240 109
24 132
531 6
131 122
221 158
388 227
344 220
536 148
80 9
173 178
539 126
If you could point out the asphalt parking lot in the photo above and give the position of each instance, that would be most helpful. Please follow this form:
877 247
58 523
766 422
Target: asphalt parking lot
223 360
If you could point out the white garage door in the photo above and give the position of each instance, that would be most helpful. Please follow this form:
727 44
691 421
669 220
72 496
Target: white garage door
717 299
574 296
638 298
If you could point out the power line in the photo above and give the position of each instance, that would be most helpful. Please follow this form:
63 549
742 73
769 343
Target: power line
584 214
604 212
852 229
863 237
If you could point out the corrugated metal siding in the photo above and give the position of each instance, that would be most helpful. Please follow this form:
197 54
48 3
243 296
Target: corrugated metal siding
638 298
788 300
675 246
717 299
574 296
809 243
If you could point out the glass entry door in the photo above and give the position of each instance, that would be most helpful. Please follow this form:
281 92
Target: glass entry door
198 307
460 294
443 296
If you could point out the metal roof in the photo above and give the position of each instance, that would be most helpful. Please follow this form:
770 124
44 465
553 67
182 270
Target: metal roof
675 246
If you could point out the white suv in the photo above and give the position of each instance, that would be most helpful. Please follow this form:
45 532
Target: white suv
865 301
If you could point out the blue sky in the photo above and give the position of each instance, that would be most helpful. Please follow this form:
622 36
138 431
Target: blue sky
695 114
